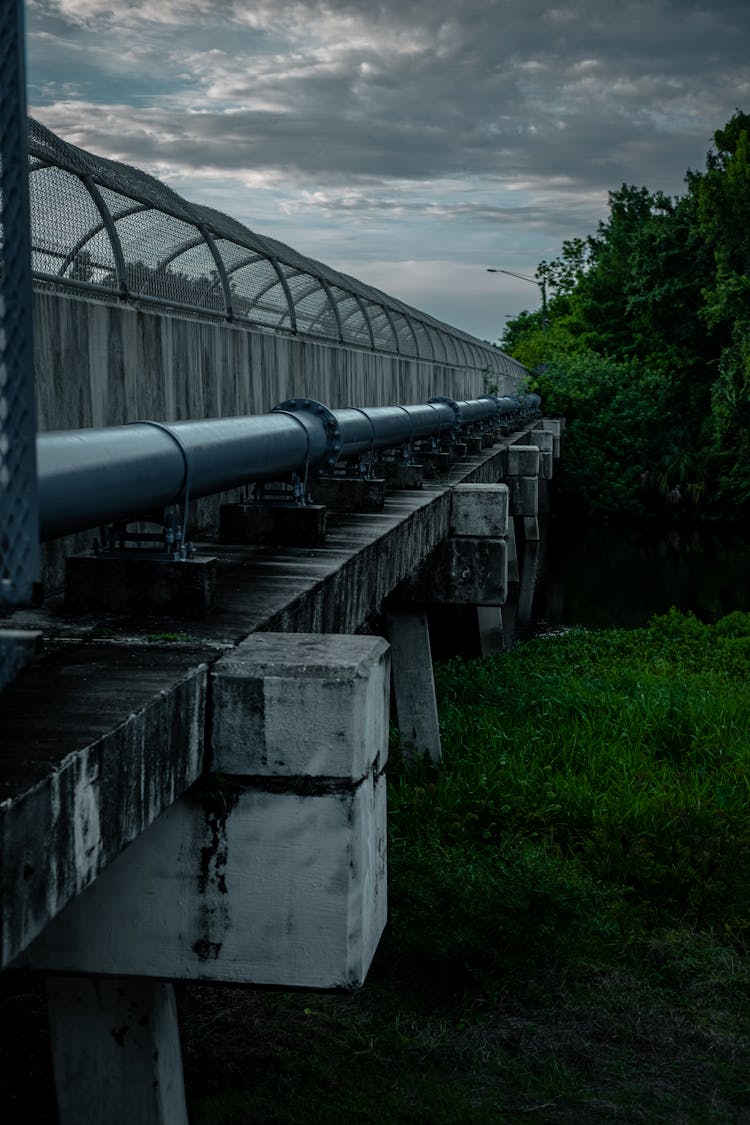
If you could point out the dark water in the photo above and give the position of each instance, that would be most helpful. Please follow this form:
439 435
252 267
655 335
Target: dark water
601 576
589 574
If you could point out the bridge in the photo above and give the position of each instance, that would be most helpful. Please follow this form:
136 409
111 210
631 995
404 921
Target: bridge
292 473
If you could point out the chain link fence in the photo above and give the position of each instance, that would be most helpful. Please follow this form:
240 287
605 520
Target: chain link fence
19 538
114 231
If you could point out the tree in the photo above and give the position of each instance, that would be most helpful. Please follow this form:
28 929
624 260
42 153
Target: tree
658 297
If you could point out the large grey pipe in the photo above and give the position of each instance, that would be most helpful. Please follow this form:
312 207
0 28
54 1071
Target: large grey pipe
96 476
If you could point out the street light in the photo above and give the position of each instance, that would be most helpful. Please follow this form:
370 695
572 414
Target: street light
534 281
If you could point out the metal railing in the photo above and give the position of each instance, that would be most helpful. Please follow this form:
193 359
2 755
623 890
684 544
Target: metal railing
109 230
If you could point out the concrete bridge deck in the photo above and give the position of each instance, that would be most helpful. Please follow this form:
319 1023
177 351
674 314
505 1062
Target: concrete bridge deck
115 864
106 728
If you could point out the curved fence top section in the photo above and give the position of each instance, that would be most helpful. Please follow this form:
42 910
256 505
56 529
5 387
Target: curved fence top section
112 230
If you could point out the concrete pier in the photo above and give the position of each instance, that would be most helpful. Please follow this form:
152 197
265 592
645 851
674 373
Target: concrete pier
203 798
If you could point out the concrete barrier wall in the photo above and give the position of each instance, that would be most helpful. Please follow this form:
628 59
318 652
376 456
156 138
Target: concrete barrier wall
100 364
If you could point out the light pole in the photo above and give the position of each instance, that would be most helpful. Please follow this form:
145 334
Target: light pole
534 281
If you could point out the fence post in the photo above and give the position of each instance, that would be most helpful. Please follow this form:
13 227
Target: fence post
19 533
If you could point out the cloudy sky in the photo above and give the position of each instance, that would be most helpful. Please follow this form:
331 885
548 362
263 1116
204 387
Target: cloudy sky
411 143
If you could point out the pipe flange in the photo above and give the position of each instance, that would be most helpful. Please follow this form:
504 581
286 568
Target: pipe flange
451 402
328 420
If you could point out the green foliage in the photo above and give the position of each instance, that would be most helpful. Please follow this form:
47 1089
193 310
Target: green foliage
594 788
658 297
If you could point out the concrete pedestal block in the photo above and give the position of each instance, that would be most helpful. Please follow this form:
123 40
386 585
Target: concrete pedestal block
116 1052
349 494
273 525
522 461
479 510
553 426
127 585
413 685
434 463
473 446
301 705
487 440
399 475
545 442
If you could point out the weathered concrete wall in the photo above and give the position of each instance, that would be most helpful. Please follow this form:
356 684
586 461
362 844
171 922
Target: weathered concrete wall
101 364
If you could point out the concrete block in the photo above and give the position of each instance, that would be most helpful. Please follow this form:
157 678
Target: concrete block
296 704
273 525
397 474
116 1052
349 494
434 463
473 446
249 885
465 571
544 440
523 461
552 425
479 509
129 585
478 571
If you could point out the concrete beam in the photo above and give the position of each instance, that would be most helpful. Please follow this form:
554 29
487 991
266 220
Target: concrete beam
94 743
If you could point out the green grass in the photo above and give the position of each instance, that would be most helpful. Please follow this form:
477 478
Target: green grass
570 906
569 912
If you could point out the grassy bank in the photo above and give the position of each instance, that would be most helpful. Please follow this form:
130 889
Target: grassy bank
570 910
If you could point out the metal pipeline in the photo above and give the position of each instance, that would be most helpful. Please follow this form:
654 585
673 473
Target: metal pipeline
96 476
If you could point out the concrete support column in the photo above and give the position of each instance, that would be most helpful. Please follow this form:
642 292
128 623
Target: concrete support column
490 627
413 684
116 1052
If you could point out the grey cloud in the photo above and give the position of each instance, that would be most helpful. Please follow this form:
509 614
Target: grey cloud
557 101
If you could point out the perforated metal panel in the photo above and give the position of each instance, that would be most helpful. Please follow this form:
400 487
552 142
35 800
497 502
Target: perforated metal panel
104 226
19 550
